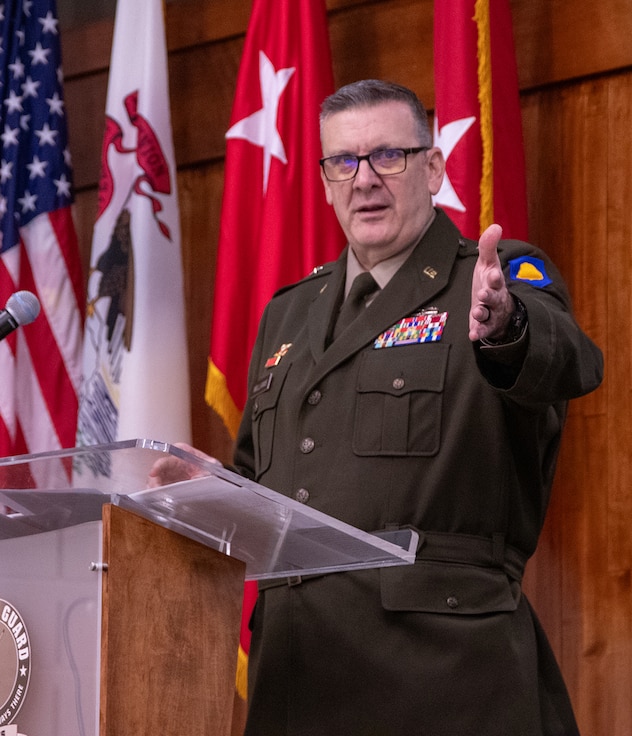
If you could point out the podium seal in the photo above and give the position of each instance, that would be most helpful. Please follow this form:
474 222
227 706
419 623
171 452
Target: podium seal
15 662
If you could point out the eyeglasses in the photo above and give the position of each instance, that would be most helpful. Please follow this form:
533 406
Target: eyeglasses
385 162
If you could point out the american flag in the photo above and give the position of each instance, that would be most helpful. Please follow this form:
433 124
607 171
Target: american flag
40 364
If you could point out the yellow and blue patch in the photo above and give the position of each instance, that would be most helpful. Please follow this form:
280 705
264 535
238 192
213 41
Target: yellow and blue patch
529 269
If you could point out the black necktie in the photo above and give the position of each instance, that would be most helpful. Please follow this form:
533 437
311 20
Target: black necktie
363 285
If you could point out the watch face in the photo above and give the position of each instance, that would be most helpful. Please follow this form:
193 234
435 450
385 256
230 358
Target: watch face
519 318
15 662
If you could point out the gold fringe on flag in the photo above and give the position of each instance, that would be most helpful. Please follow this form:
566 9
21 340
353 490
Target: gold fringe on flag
241 679
481 16
218 398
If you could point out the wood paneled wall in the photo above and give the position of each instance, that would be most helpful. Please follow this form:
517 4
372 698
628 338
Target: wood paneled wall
575 70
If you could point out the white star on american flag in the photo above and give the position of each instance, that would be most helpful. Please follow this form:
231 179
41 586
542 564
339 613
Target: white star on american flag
39 55
28 201
49 23
55 104
13 102
46 135
37 167
10 136
17 68
29 88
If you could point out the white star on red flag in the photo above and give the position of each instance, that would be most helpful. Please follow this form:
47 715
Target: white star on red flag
260 128
446 139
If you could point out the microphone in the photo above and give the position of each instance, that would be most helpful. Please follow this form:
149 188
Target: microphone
21 309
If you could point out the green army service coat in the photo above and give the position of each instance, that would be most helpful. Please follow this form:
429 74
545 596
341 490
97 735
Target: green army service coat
444 436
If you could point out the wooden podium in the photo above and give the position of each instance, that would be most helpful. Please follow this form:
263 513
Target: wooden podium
170 631
120 605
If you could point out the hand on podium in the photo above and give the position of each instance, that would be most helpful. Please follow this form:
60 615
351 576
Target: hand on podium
173 469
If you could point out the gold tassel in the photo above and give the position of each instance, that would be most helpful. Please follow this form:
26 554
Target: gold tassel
481 16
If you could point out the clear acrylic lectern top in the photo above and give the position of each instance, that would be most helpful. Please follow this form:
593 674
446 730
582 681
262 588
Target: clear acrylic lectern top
274 535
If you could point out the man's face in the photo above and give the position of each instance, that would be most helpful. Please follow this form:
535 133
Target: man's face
381 215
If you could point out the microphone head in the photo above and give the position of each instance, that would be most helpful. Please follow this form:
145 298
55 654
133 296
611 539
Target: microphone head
23 306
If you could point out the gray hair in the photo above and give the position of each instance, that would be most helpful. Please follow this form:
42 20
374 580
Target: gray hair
371 92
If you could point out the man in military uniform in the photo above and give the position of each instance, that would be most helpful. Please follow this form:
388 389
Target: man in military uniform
440 406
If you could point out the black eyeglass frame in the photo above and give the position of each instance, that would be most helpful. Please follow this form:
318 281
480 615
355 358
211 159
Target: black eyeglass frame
367 157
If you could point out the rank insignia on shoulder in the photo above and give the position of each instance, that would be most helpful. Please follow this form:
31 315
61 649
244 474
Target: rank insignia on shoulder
530 270
276 358
426 326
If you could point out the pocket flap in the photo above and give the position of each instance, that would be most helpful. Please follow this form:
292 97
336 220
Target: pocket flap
439 587
416 368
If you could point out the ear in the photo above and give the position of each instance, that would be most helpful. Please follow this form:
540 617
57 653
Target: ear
327 185
436 169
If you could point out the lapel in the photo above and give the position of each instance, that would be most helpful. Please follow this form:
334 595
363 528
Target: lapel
415 285
322 308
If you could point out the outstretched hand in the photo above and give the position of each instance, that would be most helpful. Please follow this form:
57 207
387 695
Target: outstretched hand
171 469
492 304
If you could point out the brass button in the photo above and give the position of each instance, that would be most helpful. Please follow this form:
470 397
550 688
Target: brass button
314 398
302 495
307 445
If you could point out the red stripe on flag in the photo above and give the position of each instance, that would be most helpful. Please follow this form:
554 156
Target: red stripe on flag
64 229
7 287
48 363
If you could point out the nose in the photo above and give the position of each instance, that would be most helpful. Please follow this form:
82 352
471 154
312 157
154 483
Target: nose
366 176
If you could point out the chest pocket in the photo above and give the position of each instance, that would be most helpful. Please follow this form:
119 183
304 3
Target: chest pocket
399 399
265 399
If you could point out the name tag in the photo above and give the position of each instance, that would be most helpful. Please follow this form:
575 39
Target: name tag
424 327
259 388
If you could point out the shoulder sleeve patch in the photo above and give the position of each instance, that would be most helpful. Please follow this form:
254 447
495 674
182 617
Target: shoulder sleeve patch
529 269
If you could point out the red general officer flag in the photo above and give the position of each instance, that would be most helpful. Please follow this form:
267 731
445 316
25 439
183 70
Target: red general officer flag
477 116
275 225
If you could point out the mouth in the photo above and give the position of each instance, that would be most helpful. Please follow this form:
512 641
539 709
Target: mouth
371 209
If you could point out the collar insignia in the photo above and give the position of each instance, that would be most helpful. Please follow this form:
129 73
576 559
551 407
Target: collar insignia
276 358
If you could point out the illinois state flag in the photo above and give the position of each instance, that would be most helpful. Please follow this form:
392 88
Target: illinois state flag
135 362
477 119
275 224
40 364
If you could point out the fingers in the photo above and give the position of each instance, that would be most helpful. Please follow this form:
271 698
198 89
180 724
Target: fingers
165 471
481 313
488 244
198 453
171 469
491 301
